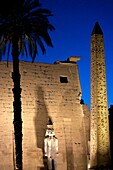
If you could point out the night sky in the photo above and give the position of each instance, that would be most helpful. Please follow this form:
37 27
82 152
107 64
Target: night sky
73 21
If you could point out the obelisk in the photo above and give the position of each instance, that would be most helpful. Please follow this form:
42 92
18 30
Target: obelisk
99 127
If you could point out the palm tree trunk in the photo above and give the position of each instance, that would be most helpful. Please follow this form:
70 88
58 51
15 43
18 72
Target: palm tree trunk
17 103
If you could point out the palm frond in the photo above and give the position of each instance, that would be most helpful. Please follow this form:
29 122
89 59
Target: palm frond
35 52
25 18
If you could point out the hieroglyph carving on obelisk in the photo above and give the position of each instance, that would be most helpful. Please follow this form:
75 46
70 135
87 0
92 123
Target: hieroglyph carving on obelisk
99 129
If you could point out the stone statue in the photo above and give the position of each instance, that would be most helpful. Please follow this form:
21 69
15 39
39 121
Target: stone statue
51 148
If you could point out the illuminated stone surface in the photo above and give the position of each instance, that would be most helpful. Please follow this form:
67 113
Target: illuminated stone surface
44 95
100 147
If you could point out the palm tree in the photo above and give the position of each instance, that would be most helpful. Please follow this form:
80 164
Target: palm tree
24 26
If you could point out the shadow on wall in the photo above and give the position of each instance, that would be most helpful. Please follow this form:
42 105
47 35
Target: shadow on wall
67 99
41 118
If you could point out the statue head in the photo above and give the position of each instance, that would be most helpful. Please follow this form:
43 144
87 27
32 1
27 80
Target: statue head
50 132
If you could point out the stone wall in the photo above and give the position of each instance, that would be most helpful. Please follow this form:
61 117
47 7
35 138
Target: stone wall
48 90
6 117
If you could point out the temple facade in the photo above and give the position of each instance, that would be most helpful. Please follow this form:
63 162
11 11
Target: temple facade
48 91
76 139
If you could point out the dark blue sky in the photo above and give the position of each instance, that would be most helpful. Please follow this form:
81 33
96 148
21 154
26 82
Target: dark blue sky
73 21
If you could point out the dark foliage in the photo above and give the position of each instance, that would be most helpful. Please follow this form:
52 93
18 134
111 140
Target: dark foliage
29 21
